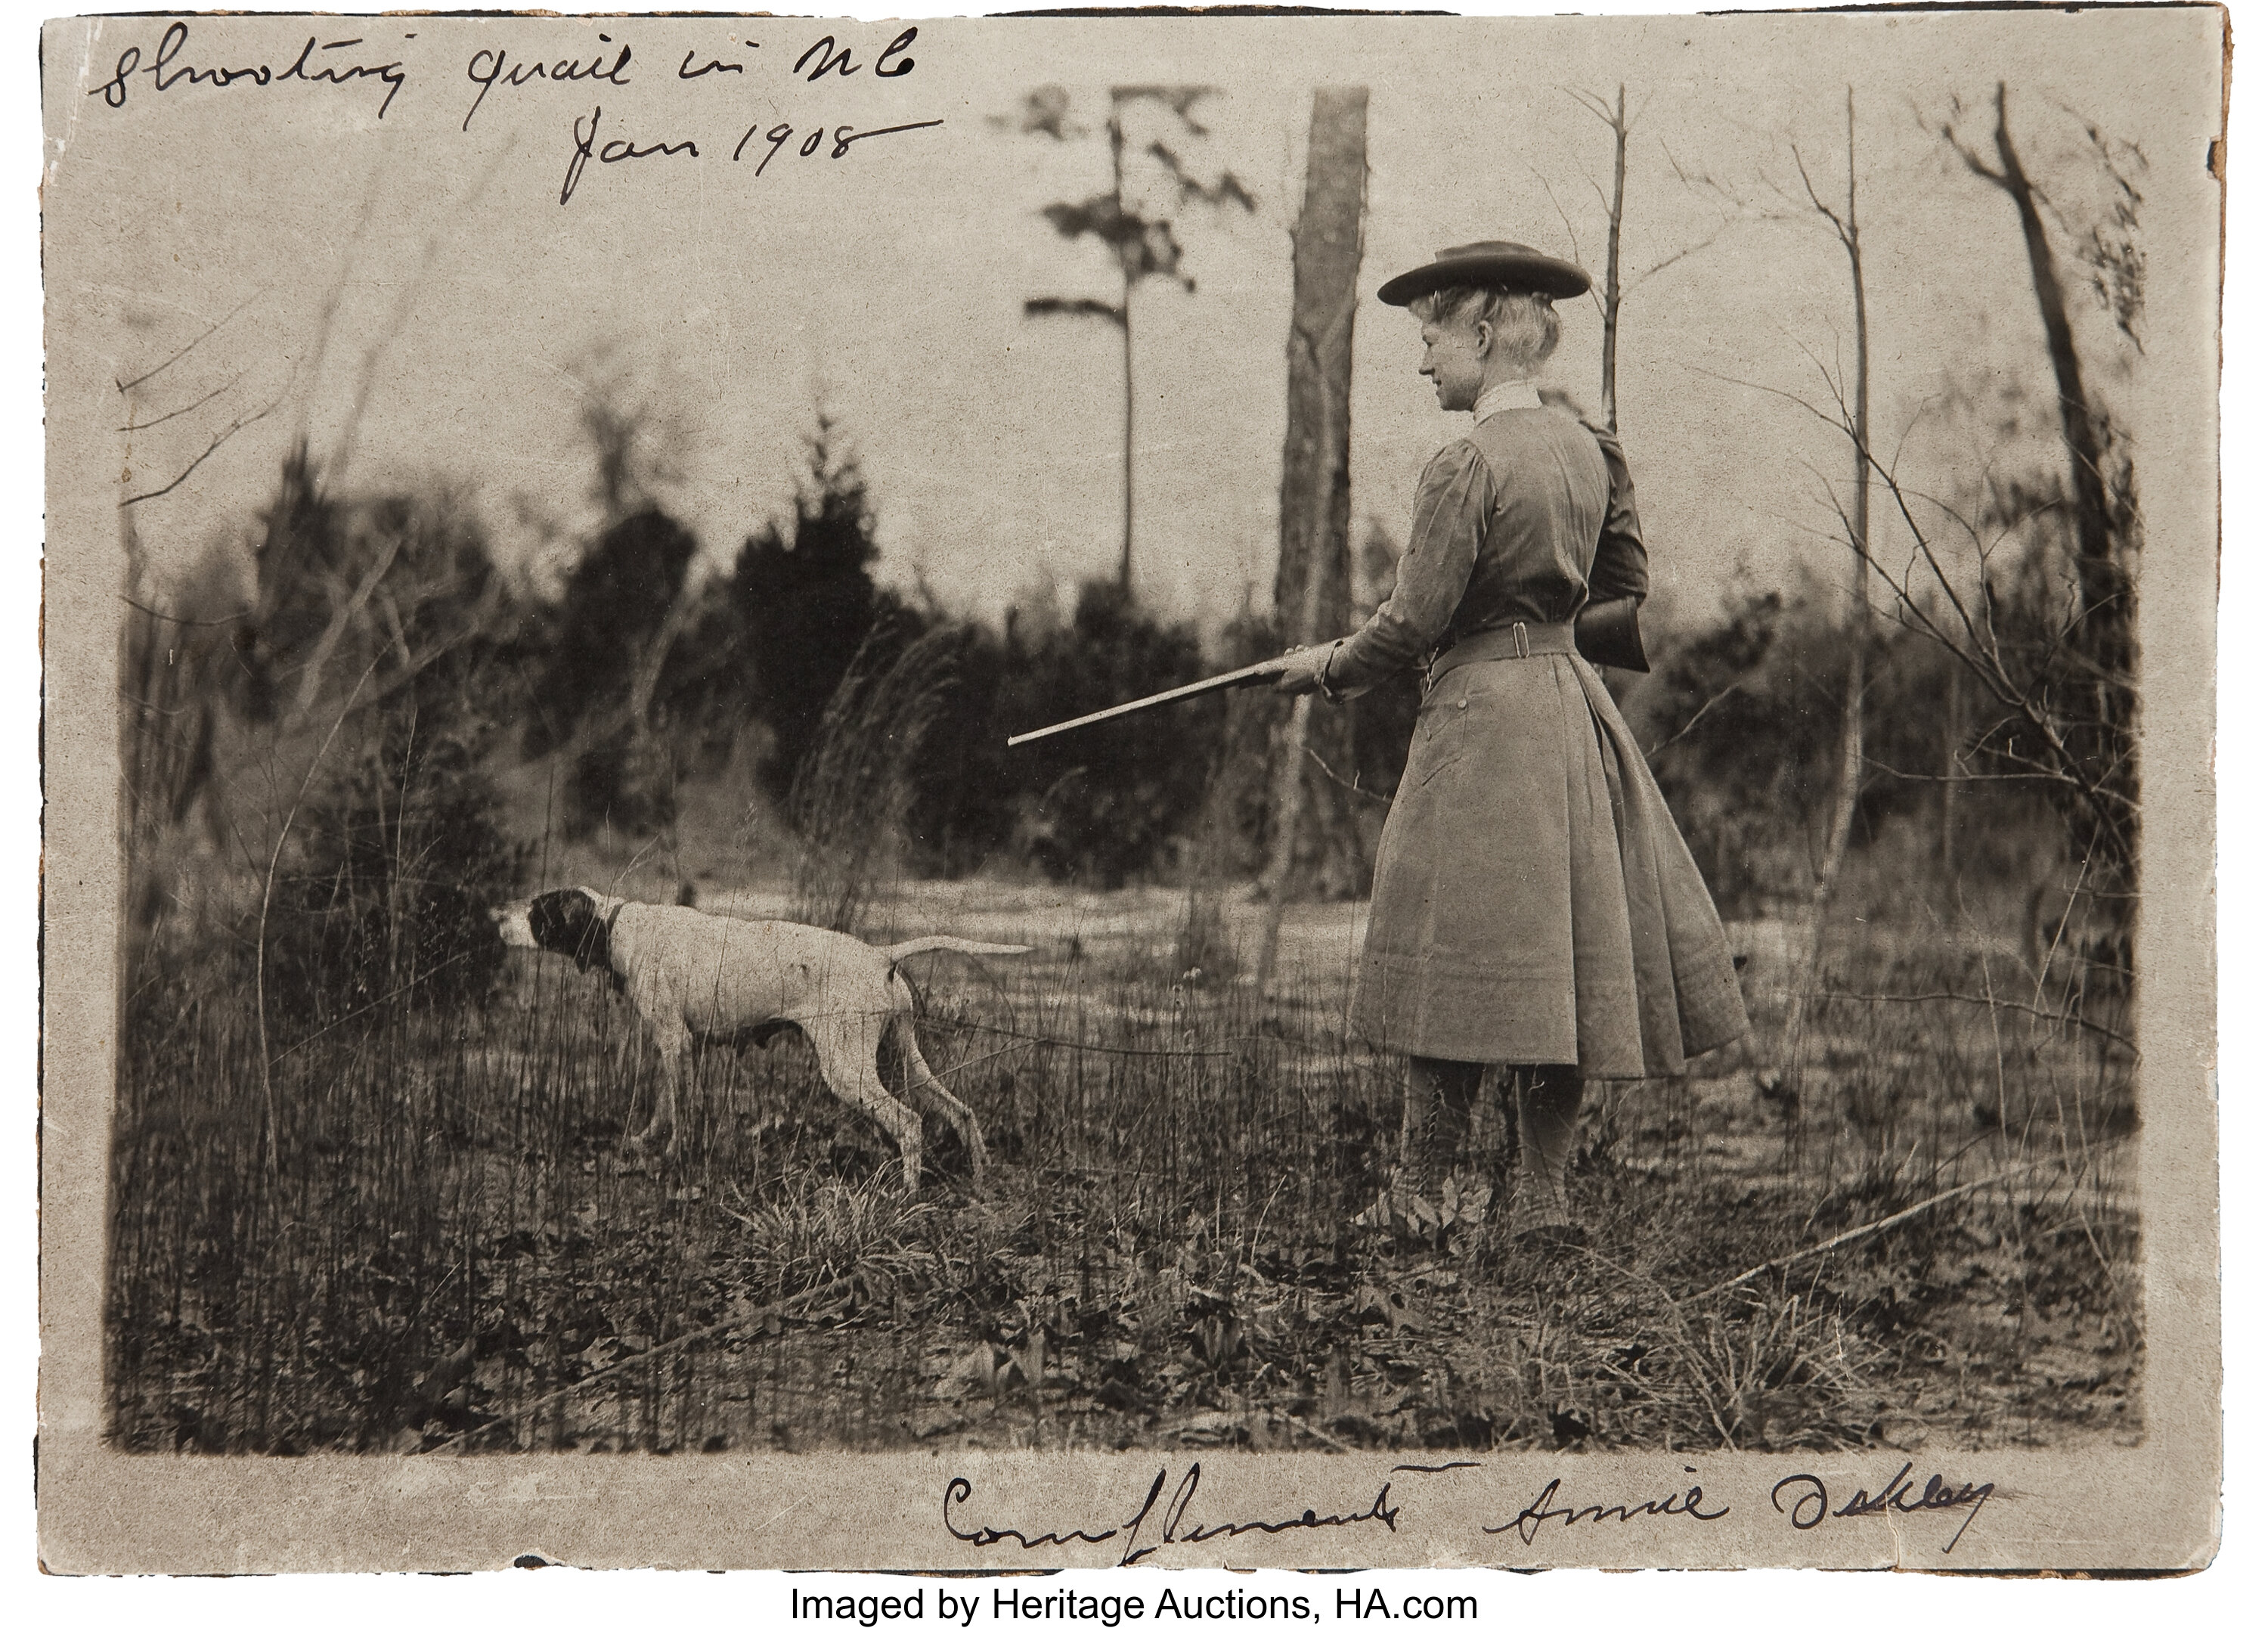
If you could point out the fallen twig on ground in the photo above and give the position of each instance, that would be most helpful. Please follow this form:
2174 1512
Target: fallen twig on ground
1856 1233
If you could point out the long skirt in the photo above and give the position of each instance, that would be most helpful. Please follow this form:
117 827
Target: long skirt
1534 902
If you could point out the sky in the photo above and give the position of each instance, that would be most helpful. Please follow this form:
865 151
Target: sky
411 295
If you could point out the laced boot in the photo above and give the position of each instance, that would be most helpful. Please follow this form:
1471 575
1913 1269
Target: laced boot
1548 1102
1435 1106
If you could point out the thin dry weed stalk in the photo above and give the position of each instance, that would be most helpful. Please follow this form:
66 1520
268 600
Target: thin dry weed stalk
850 797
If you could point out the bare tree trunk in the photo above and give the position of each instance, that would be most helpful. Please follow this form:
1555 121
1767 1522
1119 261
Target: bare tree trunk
1313 590
2102 639
1126 511
1612 306
1126 363
1851 749
2080 434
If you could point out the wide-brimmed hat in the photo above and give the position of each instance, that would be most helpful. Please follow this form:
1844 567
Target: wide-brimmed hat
1506 265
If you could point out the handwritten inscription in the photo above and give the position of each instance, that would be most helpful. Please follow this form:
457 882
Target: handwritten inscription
780 135
487 67
172 67
586 146
1162 1518
1808 1500
1138 1539
490 67
1542 1507
614 152
840 62
176 62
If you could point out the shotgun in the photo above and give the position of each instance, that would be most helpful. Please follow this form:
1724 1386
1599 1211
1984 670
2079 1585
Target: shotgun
1606 633
1243 678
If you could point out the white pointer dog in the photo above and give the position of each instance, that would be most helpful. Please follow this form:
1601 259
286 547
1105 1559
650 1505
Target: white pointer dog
692 976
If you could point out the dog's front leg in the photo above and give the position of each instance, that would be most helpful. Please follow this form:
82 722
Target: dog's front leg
668 1084
667 1030
644 1089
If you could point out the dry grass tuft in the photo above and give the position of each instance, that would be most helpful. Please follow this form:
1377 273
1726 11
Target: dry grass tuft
852 793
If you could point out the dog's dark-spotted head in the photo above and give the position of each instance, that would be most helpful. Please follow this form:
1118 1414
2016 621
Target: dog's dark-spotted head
568 921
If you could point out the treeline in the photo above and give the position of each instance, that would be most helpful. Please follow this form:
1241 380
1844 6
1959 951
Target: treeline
332 745
649 678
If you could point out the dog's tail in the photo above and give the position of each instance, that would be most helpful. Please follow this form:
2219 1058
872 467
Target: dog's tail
897 952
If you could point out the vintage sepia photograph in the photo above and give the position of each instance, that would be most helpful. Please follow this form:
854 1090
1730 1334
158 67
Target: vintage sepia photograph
1155 779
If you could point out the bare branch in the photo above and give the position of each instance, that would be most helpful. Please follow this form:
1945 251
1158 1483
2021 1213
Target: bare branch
1052 306
1871 1228
1967 155
130 429
1596 106
132 383
2073 1018
1336 778
1690 249
1995 679
1573 243
185 622
1686 728
219 440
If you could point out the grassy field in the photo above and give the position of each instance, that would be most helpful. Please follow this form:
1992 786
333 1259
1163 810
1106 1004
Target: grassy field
449 1250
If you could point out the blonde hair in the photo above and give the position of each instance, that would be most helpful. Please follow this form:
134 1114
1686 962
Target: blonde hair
1523 319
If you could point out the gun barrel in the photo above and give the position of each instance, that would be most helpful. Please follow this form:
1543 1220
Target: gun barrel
1259 673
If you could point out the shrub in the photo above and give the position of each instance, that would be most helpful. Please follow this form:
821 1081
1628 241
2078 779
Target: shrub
1745 734
617 603
1104 805
804 603
624 782
383 894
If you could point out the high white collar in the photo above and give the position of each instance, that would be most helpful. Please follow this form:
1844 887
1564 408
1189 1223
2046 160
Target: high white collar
1506 397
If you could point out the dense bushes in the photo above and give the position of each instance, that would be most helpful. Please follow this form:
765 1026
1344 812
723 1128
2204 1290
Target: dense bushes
802 603
1742 722
1103 805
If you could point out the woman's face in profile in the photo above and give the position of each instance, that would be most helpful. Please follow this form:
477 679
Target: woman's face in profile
1456 352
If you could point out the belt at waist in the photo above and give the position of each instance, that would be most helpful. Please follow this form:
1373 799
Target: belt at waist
1519 639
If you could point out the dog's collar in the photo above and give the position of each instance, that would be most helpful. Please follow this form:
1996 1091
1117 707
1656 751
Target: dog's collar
608 929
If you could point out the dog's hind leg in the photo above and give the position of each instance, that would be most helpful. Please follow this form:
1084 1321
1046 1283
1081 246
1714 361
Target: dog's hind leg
918 1070
848 1048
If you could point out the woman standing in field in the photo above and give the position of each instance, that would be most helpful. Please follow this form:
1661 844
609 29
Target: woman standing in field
1533 904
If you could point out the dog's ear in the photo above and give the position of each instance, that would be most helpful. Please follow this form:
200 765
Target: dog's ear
556 920
568 921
